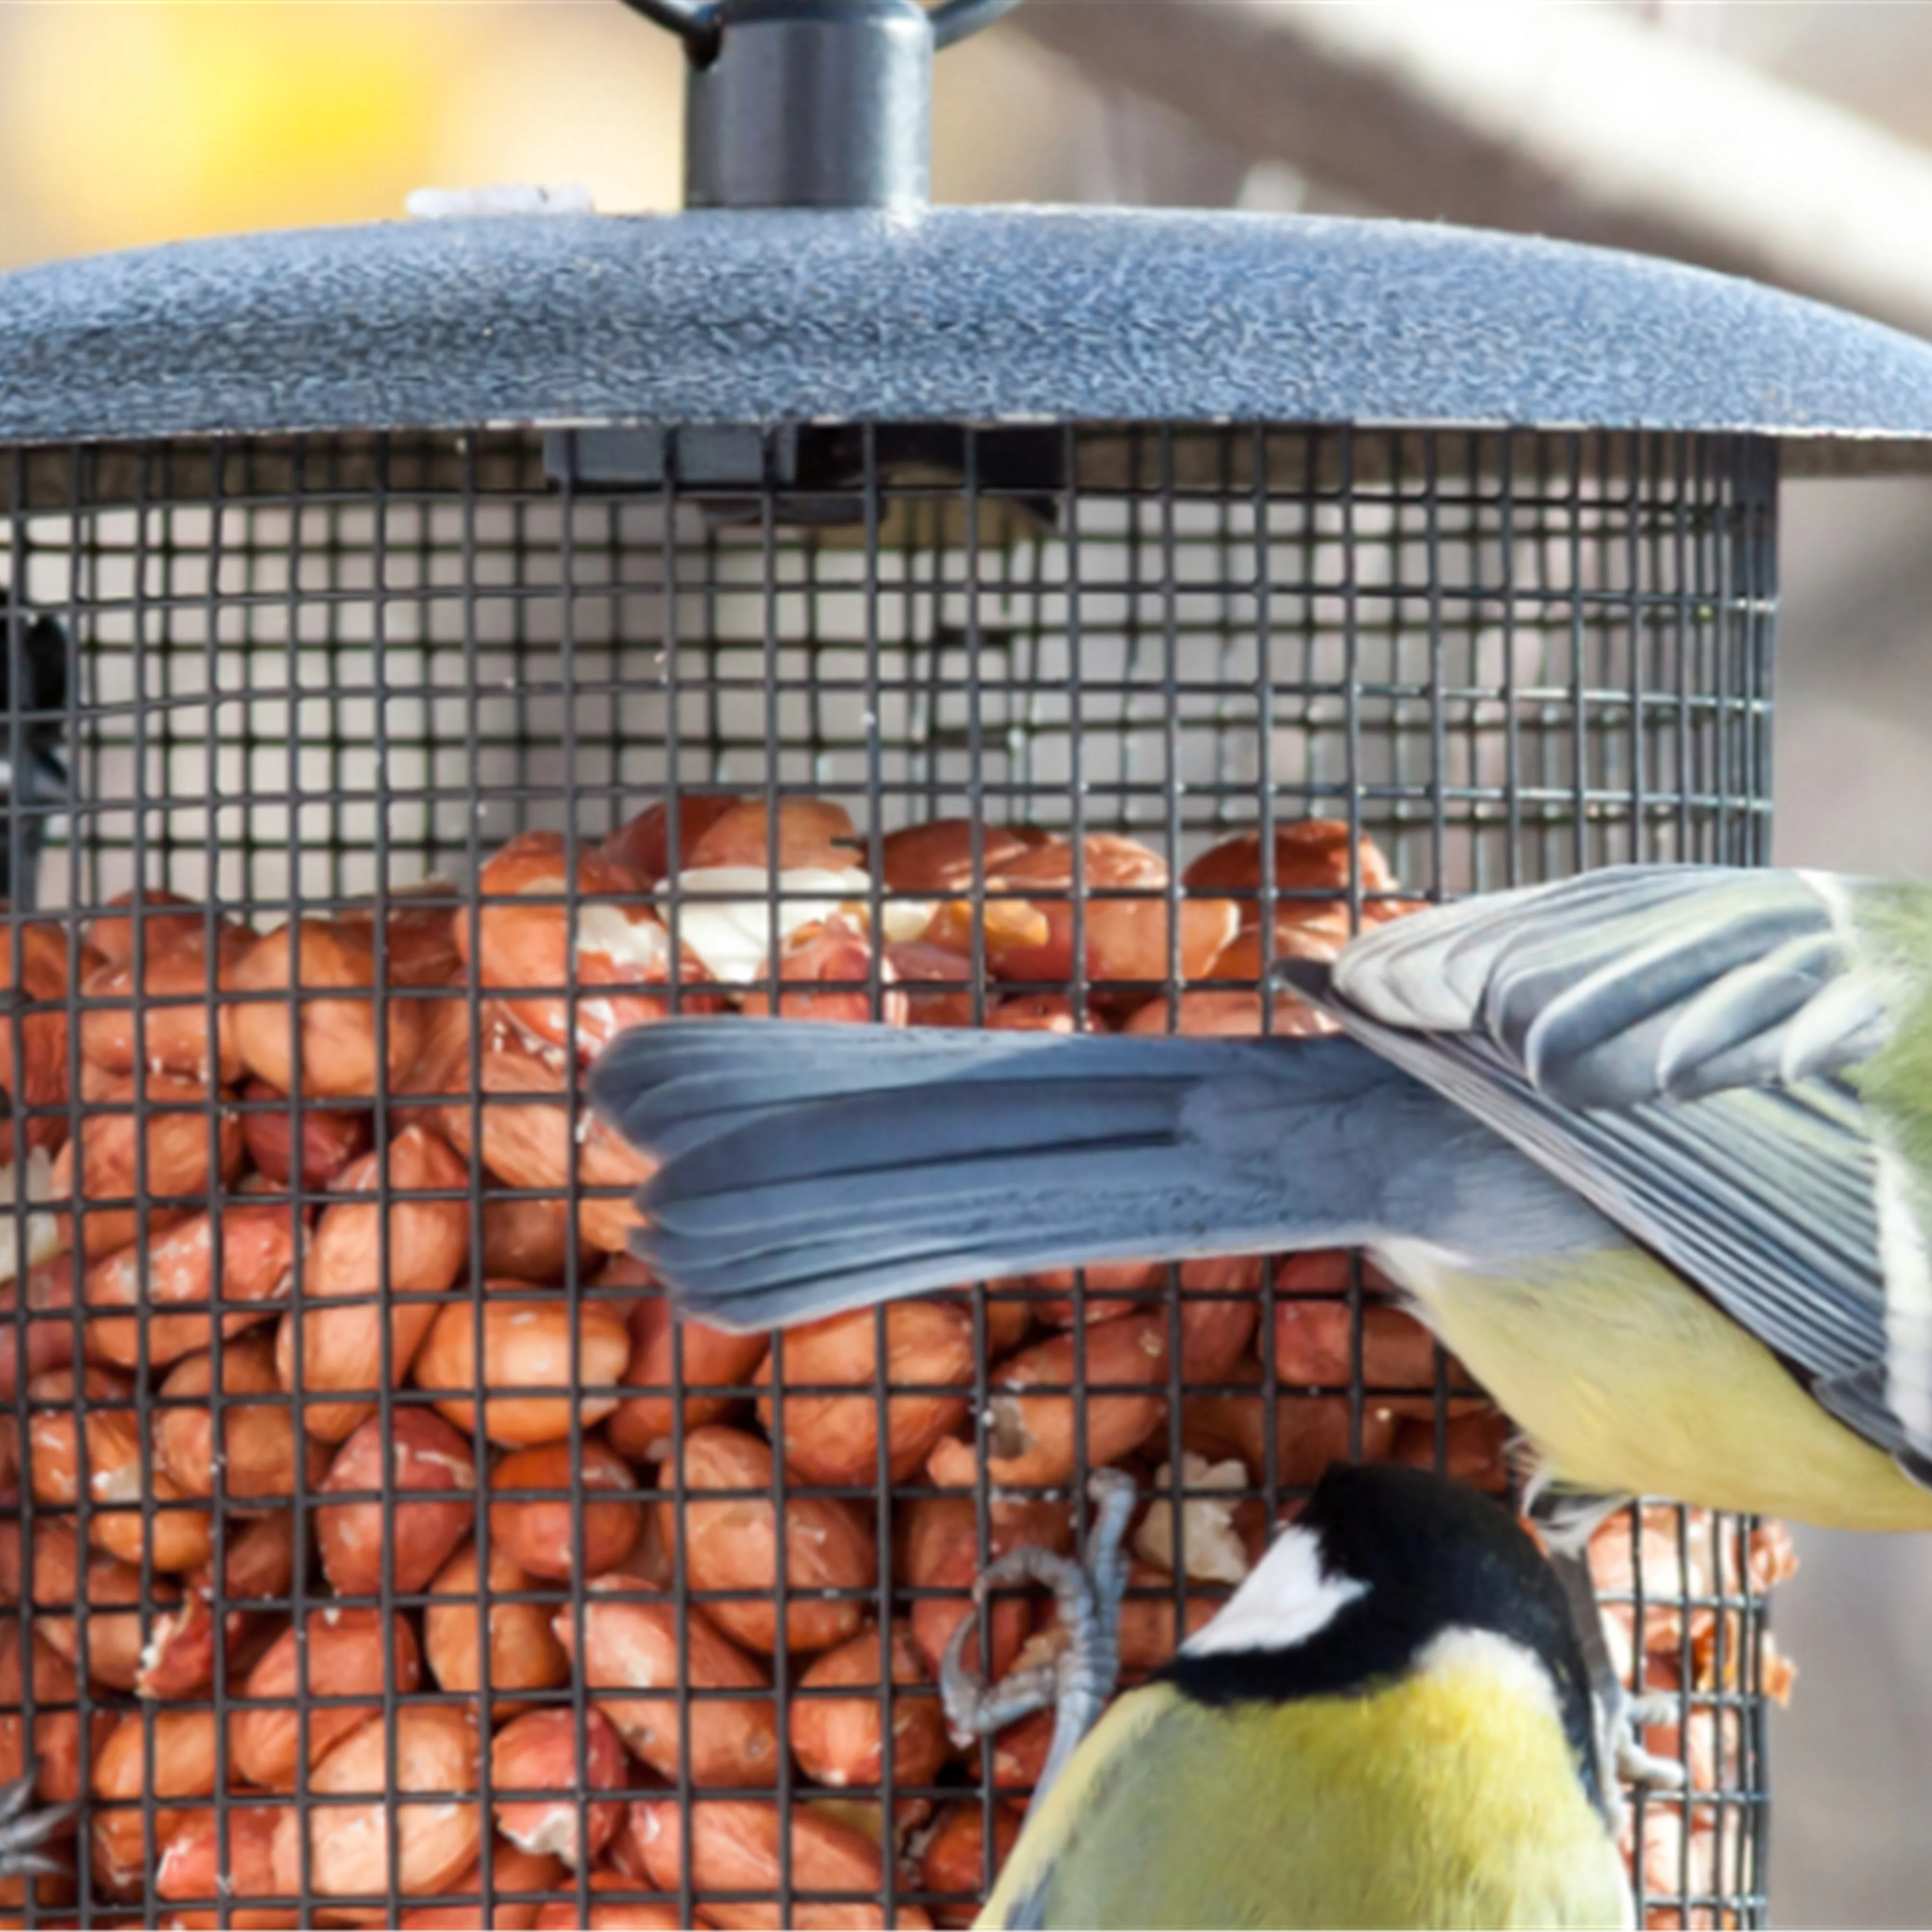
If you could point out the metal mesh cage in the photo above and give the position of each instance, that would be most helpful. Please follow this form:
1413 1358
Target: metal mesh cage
328 680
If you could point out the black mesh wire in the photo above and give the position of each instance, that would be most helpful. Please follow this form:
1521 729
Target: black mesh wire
302 673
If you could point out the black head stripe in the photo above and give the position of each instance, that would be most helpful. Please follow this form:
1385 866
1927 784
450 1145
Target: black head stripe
1435 1556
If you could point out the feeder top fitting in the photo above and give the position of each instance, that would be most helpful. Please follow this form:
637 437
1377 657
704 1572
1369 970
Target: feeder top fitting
811 104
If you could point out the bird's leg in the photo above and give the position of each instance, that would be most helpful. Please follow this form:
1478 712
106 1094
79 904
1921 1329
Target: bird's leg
1568 1522
1079 1681
23 1832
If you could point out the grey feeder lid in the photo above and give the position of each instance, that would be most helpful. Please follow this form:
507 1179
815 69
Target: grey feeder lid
953 315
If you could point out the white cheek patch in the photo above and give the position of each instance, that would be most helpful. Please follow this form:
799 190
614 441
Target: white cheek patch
1288 1598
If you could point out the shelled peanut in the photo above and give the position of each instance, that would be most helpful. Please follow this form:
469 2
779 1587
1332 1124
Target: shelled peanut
525 1488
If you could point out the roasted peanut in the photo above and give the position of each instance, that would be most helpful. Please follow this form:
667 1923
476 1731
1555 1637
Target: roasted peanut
1126 939
192 1865
1213 1336
114 1634
732 1544
525 948
183 1746
1229 1013
836 954
834 1439
435 1752
811 833
345 1658
419 941
839 1741
940 1551
38 1076
165 1027
259 1451
615 1915
330 1138
1315 1346
634 1646
642 843
527 1344
167 1142
1308 1432
543 1750
1313 865
529 1146
424 1245
523 1655
511 1871
335 1039
1472 1447
258 1247
667 1357
734 1849
424 1454
539 1532
954 1859
165 920
528 1240
56 1734
136 1510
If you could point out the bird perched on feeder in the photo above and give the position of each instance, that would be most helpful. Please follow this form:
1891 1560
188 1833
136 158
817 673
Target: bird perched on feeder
1388 1724
1650 1151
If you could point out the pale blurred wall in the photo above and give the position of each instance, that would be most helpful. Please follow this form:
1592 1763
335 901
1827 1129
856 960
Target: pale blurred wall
126 125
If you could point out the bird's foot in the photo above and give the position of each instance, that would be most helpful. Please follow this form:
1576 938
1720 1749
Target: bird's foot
23 1831
1622 1720
1078 1680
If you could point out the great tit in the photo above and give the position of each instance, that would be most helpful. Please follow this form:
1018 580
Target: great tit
1649 1150
1388 1724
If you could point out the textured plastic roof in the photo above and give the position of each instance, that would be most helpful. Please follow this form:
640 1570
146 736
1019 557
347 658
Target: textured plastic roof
963 315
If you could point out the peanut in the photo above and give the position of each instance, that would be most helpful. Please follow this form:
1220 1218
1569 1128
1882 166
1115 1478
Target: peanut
423 1454
634 1646
260 1452
839 1741
523 1655
834 1439
183 1746
511 1870
165 1027
668 1357
527 1344
955 1859
732 1544
539 1532
330 1138
541 1750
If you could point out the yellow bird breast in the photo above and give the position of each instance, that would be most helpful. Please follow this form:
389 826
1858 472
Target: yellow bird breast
1449 1798
1628 1381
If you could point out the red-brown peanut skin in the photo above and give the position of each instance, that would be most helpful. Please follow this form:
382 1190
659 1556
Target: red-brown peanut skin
330 1138
633 1645
939 1550
56 1732
258 1242
616 1915
424 1242
834 1439
642 843
172 1038
523 1655
115 1630
541 1750
834 954
732 1544
1311 859
1314 1346
955 1857
39 1077
345 1659
168 1754
529 1241
511 1870
668 1354
734 1849
192 1865
435 1750
527 1344
810 832
173 1136
1310 1432
1126 939
540 1533
425 1453
840 1740
337 1036
263 1453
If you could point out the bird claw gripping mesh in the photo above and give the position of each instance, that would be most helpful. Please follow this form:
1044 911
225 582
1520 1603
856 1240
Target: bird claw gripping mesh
23 1831
1077 1681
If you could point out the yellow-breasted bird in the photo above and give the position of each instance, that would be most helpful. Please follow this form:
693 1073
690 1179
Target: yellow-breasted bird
1388 1724
1650 1151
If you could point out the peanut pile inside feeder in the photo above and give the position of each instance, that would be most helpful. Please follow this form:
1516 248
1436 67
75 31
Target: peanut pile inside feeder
611 1461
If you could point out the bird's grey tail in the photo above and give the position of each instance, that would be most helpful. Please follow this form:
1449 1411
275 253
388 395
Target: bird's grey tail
807 1169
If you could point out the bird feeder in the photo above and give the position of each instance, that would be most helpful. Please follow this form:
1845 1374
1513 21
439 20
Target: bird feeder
551 621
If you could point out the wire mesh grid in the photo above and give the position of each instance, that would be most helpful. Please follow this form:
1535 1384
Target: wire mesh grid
407 698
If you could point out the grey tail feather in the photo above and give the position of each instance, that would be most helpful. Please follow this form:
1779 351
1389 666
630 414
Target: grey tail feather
808 1169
